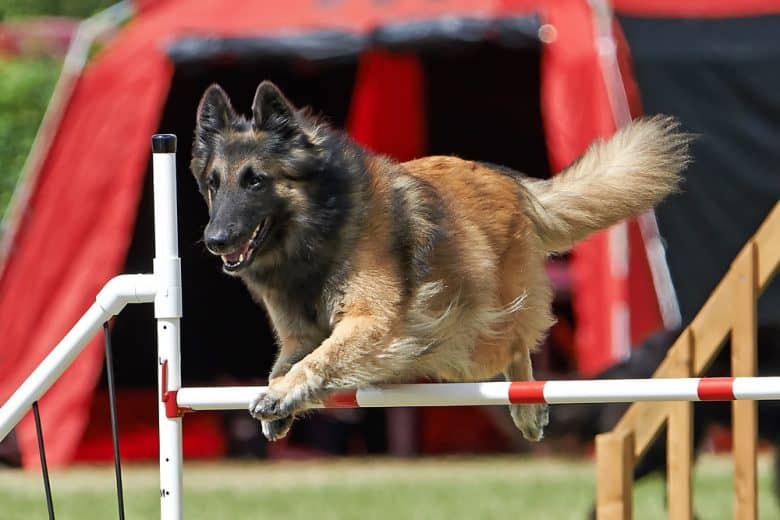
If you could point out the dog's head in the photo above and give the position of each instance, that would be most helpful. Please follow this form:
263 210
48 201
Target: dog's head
255 175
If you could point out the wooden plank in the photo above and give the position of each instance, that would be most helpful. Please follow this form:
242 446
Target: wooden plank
767 240
644 422
744 435
679 442
710 328
743 363
614 475
646 419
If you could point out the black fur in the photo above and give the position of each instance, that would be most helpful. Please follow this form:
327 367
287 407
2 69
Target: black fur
504 170
328 170
417 212
318 248
215 115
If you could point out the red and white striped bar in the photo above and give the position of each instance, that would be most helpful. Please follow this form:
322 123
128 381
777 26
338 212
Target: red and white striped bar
502 393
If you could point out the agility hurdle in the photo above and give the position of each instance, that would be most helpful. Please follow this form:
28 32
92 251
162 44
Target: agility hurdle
163 288
197 399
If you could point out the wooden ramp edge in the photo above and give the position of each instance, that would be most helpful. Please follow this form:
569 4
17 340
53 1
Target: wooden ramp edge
731 308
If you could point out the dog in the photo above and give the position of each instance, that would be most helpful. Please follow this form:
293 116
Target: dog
585 421
373 271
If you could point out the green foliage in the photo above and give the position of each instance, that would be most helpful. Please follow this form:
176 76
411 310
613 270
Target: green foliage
25 89
26 85
76 8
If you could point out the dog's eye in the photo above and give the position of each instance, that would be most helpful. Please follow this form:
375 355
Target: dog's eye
213 181
252 180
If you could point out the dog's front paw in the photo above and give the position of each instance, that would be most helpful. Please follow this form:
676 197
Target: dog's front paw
283 399
277 428
271 406
285 396
271 410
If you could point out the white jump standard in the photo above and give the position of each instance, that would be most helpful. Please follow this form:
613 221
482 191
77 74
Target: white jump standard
164 289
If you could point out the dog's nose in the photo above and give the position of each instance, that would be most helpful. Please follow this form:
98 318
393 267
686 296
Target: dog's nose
219 241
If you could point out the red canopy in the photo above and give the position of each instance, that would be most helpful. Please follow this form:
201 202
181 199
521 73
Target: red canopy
76 230
697 8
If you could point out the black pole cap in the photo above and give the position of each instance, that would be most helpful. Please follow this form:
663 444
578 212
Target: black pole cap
164 143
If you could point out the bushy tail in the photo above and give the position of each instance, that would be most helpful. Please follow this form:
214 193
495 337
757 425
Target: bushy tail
614 179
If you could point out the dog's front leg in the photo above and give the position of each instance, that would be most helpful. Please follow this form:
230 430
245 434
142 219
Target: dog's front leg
350 357
292 350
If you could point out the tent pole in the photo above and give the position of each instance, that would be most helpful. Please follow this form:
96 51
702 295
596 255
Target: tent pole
167 311
655 251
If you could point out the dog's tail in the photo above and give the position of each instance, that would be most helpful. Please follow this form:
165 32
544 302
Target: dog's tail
614 179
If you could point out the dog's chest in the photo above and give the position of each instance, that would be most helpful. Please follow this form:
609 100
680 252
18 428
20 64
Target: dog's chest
302 313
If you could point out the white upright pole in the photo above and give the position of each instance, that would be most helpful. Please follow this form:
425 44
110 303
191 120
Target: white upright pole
168 311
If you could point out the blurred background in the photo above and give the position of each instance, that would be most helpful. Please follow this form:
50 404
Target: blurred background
524 83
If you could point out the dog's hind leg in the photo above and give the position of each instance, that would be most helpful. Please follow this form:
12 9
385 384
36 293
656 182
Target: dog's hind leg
530 419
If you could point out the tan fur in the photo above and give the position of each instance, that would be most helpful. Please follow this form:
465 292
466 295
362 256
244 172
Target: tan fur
485 304
613 180
437 270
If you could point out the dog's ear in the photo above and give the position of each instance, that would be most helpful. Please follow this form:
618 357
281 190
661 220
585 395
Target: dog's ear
214 111
214 116
271 110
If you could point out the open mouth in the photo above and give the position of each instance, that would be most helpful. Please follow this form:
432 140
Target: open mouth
242 256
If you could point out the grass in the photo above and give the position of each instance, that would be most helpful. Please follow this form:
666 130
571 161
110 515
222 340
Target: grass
481 488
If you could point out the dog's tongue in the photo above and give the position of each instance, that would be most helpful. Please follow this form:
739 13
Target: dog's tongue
233 257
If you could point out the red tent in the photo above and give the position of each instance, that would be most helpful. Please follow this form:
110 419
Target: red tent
76 229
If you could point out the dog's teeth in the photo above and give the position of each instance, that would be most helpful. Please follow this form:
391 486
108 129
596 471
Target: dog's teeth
241 258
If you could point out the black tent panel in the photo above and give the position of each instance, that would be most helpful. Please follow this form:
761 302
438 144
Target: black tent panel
721 77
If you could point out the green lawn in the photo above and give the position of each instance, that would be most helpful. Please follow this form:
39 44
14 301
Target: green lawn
480 488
